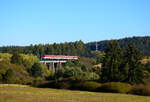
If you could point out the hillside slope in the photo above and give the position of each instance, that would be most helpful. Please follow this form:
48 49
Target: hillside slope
142 43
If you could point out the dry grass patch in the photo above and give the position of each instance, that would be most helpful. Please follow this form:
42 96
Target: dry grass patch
19 93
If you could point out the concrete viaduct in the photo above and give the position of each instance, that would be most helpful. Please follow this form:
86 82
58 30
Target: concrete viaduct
54 62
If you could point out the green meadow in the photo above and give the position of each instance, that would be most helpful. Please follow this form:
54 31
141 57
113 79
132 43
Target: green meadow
23 93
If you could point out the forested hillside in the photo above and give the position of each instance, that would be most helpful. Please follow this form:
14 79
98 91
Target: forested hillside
79 48
142 43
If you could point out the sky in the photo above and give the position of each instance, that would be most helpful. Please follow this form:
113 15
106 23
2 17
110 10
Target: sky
25 22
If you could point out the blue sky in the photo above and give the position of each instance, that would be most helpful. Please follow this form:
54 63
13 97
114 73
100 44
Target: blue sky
25 22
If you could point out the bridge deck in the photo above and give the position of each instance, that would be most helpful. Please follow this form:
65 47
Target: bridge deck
54 61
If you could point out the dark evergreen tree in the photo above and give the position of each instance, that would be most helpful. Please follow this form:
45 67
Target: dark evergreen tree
16 58
9 76
135 73
100 57
36 70
112 63
36 51
41 50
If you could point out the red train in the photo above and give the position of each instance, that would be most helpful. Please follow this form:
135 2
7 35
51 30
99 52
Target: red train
60 57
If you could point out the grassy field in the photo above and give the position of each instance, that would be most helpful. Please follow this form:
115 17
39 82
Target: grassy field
20 93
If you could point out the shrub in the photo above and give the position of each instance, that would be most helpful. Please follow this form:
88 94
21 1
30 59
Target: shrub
63 85
37 81
29 60
115 87
72 71
77 79
16 59
141 90
18 81
75 72
5 57
1 77
9 76
90 76
68 72
23 80
46 72
86 86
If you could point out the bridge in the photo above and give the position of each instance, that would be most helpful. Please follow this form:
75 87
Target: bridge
54 62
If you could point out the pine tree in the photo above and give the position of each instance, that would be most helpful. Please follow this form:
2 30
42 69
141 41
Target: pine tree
16 58
36 70
112 63
9 76
135 69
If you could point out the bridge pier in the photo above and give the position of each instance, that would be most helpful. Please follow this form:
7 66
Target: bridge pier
54 66
59 65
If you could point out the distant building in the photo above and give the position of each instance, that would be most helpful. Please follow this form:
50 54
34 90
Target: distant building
54 62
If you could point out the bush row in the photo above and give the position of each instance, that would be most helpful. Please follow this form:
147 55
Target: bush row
116 87
112 87
141 90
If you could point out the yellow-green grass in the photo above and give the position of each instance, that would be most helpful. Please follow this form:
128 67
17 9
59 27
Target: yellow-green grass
20 93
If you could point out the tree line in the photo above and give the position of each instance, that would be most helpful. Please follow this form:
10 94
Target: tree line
71 48
79 48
